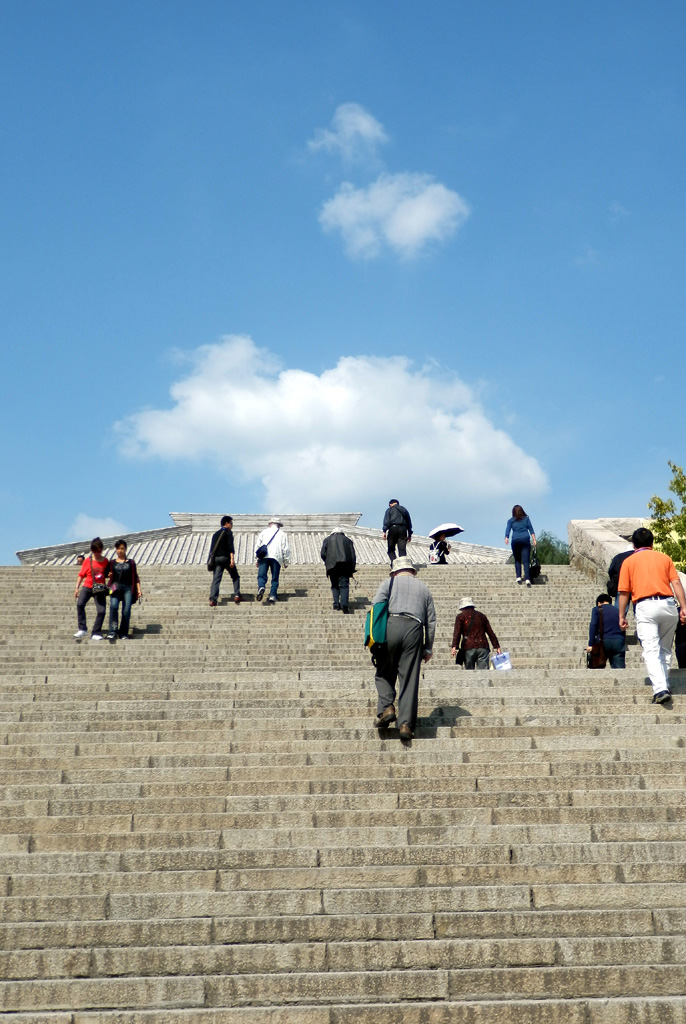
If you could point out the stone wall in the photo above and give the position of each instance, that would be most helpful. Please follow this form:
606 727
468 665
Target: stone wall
593 543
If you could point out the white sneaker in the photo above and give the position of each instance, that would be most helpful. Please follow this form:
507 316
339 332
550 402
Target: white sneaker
80 633
528 583
96 636
519 579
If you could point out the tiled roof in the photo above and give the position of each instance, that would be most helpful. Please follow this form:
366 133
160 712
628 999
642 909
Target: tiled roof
188 543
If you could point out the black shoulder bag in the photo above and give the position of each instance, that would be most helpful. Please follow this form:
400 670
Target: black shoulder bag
263 549
213 552
596 657
461 655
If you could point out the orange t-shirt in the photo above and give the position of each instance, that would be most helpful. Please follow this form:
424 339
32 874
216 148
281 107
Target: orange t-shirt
646 574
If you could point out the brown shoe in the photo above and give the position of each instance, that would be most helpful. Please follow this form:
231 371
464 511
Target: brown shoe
387 716
405 732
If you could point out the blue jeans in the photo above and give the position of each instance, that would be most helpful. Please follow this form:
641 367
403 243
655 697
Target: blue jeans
263 565
123 596
615 648
521 549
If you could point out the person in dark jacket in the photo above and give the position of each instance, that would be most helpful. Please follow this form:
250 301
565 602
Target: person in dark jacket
222 554
125 589
397 528
613 574
439 549
338 555
680 645
477 631
613 636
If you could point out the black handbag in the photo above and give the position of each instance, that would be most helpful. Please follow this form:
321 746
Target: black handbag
596 657
534 564
98 589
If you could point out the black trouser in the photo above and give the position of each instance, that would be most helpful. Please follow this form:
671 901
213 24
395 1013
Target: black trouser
85 594
222 564
402 662
396 535
340 589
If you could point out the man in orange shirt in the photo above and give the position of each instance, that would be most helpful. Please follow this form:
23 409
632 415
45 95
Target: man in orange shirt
649 578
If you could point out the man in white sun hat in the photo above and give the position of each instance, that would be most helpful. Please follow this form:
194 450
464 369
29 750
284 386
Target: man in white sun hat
272 551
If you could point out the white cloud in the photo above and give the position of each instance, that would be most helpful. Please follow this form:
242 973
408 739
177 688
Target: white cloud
618 213
354 133
402 211
344 440
86 527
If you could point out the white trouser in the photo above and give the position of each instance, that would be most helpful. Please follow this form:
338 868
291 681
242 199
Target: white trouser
655 625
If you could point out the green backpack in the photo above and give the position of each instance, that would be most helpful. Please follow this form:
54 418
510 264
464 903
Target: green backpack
375 626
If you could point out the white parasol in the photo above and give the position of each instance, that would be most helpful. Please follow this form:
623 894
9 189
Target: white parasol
449 529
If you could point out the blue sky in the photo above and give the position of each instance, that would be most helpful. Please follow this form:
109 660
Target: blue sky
307 257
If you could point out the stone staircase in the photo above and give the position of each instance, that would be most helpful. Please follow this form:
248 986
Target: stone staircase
202 826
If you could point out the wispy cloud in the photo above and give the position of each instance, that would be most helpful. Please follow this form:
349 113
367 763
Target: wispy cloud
618 213
86 527
589 258
355 134
323 441
401 211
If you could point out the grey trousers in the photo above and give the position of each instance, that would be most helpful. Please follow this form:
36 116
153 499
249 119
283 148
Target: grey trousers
476 657
222 564
402 664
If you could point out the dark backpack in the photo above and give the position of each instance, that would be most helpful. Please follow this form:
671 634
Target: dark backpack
395 517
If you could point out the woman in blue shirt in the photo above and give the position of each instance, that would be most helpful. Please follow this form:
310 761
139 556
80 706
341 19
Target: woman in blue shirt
523 536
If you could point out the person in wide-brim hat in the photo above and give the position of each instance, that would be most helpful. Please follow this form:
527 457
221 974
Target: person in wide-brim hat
403 564
410 632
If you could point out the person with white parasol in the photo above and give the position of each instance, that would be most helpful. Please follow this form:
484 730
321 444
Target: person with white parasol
440 549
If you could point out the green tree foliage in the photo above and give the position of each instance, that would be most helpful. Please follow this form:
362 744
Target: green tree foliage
551 550
669 524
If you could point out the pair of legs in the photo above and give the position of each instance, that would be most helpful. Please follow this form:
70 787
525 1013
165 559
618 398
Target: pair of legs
222 564
340 590
396 535
122 596
615 648
477 657
85 594
264 565
521 549
655 626
401 663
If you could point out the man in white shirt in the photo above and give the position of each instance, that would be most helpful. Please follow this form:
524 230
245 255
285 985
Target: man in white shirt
272 551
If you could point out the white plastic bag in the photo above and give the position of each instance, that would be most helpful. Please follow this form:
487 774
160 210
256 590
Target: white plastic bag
501 661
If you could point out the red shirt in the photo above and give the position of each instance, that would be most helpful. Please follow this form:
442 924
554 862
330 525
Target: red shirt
100 568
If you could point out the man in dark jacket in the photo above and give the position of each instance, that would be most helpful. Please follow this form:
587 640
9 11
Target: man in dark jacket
222 555
338 555
613 574
476 630
397 528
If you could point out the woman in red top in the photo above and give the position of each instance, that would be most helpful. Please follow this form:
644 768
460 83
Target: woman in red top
91 578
